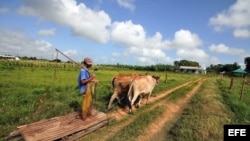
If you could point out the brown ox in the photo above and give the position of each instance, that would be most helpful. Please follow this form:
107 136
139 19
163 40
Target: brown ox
141 86
120 84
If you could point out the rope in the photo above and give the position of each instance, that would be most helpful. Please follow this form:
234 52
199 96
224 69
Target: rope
66 56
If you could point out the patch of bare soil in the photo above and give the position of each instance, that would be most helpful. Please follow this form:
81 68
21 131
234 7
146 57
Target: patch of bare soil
121 113
171 111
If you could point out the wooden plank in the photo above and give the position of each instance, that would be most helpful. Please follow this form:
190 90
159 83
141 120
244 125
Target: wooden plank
82 133
87 131
59 127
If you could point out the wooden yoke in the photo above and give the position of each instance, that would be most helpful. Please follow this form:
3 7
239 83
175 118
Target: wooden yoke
87 102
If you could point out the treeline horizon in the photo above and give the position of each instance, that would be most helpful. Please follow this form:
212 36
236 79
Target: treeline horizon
218 68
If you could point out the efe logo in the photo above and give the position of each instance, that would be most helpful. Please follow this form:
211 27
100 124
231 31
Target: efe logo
236 132
241 132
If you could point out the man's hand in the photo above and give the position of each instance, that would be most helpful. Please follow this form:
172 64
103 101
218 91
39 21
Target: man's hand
93 78
95 81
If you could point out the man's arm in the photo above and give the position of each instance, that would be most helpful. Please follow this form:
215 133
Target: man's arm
85 81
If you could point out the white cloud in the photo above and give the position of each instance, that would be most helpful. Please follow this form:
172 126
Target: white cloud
236 17
47 32
145 60
187 44
147 52
186 39
129 4
157 42
133 36
70 52
221 48
3 10
96 25
197 55
242 33
116 54
19 44
43 46
193 54
128 33
82 20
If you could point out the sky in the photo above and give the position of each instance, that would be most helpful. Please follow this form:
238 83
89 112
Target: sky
131 32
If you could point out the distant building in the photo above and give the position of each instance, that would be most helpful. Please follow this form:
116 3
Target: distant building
9 57
190 69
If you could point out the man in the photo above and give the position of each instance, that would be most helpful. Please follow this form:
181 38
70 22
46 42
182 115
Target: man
85 76
84 79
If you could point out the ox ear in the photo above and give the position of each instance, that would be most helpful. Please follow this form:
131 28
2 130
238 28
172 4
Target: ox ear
156 77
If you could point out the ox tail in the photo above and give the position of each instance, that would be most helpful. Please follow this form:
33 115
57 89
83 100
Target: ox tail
112 85
130 95
110 92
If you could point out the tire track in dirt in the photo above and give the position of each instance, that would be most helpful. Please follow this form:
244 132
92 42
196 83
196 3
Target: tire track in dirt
122 113
171 111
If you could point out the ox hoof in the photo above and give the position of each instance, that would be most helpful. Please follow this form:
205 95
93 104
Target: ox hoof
131 112
137 106
108 109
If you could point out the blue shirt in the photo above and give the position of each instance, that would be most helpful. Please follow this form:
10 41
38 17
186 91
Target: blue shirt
84 74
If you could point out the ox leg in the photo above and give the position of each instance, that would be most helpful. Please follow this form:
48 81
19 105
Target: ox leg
112 99
139 101
118 99
132 102
147 98
130 107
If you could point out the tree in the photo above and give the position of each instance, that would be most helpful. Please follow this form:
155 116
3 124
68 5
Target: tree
230 67
177 63
215 68
56 60
247 62
188 63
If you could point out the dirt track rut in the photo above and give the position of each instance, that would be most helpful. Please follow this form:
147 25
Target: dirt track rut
172 109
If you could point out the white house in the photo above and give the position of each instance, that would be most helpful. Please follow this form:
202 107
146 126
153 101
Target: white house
9 57
190 69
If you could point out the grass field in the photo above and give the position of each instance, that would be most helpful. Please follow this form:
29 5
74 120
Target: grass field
211 108
30 93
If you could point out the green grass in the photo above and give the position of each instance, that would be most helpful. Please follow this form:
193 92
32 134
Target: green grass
232 99
31 92
137 127
143 118
181 92
210 109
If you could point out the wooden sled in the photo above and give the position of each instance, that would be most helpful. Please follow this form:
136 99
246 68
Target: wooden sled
67 127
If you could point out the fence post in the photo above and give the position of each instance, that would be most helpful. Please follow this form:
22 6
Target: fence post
56 65
231 83
242 88
166 77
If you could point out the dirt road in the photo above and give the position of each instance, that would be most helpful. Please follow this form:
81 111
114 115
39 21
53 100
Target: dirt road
171 110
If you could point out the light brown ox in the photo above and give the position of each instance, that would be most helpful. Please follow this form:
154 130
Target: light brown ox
120 84
141 86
